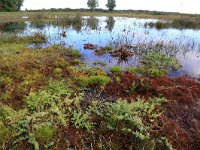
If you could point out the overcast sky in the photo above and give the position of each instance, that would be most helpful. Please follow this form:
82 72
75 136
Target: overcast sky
185 6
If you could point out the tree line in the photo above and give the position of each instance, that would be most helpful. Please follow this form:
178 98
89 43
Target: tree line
15 5
10 5
93 4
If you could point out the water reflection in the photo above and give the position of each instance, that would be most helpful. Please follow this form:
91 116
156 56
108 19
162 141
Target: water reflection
77 23
120 32
40 24
110 23
12 26
93 23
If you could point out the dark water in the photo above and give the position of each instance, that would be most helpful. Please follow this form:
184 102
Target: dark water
13 27
184 44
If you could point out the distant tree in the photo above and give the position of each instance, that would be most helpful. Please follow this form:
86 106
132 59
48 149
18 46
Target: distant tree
10 5
111 4
92 4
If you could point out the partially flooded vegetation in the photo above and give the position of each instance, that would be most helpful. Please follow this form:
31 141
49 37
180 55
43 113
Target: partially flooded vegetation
74 82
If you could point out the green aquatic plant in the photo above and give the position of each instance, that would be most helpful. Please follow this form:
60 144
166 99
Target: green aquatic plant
108 48
37 38
99 63
116 69
98 80
75 53
132 69
157 64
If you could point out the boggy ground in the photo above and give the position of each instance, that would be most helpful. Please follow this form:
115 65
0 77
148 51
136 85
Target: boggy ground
51 99
181 113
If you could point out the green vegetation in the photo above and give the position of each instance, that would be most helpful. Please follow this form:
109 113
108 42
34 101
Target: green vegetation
37 38
99 63
116 69
76 61
8 37
111 4
73 53
49 110
157 64
92 4
181 23
11 5
51 99
50 14
132 69
98 80
109 48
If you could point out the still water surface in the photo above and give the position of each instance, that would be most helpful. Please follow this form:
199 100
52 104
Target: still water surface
184 44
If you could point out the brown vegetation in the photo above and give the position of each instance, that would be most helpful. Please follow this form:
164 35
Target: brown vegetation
181 114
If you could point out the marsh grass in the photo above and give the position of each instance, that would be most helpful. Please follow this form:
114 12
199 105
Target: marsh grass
39 16
7 37
134 14
180 23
